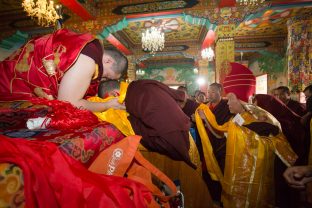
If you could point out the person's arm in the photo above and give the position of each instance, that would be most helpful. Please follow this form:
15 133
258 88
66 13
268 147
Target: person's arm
75 83
298 176
203 116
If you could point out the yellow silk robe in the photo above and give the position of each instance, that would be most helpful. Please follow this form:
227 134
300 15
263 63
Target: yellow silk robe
248 175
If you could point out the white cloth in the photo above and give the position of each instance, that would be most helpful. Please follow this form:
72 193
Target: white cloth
38 123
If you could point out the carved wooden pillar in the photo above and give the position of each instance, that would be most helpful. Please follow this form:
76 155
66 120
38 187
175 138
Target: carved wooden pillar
131 68
203 72
224 50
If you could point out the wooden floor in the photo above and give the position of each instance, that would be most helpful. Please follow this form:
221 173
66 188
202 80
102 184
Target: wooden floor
193 187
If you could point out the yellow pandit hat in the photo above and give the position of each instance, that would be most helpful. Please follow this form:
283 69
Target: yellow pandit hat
240 81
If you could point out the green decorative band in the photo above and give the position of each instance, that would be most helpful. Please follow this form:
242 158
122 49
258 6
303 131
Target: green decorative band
151 7
113 28
199 21
14 41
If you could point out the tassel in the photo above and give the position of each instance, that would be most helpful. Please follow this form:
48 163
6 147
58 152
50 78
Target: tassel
66 116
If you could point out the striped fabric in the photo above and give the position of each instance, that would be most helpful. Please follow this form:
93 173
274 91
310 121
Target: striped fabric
240 81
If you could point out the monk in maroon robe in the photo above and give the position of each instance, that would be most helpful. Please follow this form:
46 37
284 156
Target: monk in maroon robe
156 115
290 123
298 140
284 95
305 120
220 109
222 114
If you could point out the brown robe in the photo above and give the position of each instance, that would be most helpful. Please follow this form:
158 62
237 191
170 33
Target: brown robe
296 107
298 139
290 123
157 117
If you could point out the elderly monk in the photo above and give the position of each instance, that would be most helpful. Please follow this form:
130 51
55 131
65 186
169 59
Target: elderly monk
254 137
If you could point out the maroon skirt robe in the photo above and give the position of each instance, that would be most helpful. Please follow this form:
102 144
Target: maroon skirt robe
154 114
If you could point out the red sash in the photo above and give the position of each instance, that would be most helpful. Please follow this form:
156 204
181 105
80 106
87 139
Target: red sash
36 69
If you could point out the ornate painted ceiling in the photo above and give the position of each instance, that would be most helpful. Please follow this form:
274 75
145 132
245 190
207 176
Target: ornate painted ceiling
270 22
171 26
13 18
185 23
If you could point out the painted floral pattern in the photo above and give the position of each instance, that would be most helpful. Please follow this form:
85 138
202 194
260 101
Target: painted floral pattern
300 52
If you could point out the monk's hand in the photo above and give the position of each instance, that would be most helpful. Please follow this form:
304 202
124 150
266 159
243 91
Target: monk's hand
113 103
298 176
201 114
193 117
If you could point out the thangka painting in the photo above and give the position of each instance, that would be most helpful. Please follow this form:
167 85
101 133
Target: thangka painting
173 75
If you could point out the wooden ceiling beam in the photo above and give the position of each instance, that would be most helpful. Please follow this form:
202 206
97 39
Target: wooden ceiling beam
232 3
155 14
290 1
78 9
115 42
227 3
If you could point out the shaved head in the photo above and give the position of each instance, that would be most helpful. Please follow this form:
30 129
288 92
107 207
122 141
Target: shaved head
214 92
106 87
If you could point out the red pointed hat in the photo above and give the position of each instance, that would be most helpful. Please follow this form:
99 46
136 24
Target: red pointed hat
240 81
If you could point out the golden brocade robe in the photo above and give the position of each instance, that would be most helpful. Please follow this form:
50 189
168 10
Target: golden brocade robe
248 175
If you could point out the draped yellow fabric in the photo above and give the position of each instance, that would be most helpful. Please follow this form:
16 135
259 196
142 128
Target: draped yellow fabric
248 175
123 91
194 155
249 170
211 161
96 73
116 117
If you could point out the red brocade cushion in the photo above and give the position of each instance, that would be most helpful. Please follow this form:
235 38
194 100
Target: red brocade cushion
82 144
